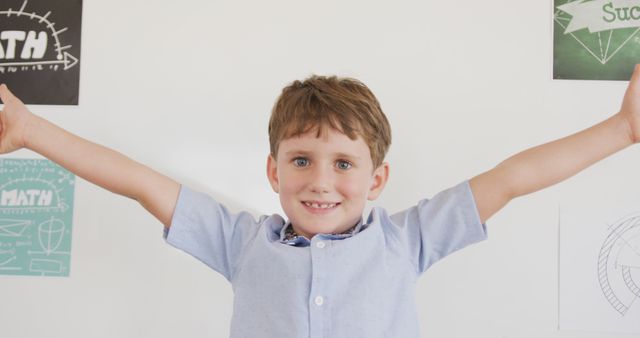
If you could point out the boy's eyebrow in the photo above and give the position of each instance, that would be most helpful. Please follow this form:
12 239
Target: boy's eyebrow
295 152
347 156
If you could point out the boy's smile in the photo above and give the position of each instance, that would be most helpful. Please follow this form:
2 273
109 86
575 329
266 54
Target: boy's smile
324 182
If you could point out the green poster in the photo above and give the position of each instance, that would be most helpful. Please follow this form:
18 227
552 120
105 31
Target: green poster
36 210
595 39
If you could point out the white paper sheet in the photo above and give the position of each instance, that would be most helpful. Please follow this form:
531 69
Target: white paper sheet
599 265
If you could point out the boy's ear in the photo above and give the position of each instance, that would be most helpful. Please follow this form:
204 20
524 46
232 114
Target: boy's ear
272 173
380 176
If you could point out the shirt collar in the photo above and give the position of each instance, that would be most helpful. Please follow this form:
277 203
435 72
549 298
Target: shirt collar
289 236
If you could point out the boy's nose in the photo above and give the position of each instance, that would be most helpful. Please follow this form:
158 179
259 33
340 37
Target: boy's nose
320 181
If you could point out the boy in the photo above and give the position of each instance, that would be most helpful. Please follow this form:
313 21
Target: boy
326 272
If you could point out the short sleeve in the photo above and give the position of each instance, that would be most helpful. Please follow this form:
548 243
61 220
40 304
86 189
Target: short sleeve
436 227
206 230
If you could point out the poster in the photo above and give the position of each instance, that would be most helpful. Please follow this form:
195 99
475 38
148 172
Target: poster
36 212
595 39
40 50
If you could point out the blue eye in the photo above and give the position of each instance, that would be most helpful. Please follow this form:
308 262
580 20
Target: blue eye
300 162
344 165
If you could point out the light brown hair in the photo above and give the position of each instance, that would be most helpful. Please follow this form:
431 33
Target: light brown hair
344 104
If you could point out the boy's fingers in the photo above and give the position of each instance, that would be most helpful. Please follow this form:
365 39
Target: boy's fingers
5 93
635 77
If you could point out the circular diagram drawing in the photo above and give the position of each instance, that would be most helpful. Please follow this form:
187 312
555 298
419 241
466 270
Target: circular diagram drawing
619 264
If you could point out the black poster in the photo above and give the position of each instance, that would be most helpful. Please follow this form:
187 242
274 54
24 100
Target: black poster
40 49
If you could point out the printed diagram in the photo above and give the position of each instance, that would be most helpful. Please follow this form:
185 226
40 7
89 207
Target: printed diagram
34 48
36 198
599 262
619 264
11 228
50 235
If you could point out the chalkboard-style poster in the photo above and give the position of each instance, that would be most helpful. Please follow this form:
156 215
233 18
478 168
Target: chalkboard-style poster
36 210
596 39
40 49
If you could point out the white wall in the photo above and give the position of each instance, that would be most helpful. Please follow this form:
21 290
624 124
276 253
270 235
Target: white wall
186 87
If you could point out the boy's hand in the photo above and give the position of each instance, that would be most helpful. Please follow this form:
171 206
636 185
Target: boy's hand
630 109
14 118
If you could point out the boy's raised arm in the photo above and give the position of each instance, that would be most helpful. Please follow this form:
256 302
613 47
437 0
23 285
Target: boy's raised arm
550 163
19 128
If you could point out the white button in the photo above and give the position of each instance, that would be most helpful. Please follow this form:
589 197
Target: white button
319 300
320 245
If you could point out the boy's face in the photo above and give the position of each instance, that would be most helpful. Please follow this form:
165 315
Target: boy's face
324 182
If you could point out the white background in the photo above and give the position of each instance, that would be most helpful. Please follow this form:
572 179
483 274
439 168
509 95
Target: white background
187 87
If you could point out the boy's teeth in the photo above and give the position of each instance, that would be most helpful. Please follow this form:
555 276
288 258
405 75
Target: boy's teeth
320 205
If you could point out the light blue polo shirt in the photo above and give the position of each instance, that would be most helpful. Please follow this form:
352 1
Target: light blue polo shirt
333 286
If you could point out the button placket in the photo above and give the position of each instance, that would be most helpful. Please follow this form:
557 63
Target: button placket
317 297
